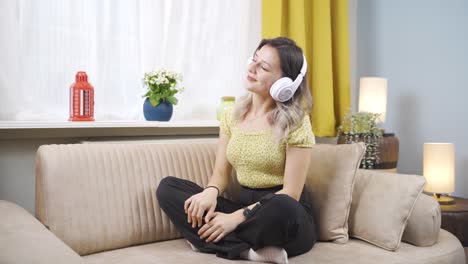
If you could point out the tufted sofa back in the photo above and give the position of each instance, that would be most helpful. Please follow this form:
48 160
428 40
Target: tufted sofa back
99 197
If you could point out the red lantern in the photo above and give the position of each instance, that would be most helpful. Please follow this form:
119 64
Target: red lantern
81 99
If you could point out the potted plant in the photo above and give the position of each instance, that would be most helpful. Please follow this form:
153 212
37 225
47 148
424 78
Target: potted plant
162 85
362 127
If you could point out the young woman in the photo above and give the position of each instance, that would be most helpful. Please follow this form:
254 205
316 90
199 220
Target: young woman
267 139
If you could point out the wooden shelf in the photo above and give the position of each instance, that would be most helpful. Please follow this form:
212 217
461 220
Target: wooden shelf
38 129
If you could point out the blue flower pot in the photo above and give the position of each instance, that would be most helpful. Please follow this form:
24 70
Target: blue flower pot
162 112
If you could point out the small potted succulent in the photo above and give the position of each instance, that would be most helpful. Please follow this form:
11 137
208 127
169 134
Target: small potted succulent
162 85
362 127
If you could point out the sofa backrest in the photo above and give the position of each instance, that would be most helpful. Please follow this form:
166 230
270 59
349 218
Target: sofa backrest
98 197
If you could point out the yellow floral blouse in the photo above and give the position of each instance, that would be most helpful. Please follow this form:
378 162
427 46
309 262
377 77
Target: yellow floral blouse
259 161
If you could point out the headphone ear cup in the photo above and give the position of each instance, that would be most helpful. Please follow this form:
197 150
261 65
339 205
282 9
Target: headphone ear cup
279 88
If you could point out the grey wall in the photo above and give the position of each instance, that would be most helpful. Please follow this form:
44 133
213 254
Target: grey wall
421 46
17 169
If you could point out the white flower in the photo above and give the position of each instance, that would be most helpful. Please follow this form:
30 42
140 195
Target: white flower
163 76
159 81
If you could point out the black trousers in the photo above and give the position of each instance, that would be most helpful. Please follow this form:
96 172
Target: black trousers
280 221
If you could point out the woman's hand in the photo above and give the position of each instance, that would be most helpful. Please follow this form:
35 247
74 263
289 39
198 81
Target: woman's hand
221 224
197 204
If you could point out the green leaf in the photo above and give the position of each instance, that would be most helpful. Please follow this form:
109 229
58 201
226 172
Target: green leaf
172 100
154 102
147 94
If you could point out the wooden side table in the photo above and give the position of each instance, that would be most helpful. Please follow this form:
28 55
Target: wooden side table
455 219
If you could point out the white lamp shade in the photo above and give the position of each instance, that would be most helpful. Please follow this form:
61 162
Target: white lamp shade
439 167
373 96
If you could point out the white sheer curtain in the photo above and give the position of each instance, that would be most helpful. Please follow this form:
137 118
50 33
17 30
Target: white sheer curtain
44 43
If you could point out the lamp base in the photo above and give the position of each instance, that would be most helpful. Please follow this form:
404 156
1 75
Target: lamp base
444 200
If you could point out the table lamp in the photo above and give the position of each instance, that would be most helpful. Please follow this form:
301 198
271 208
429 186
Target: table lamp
439 170
373 98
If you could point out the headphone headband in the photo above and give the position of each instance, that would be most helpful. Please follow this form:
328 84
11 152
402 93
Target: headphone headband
304 66
300 76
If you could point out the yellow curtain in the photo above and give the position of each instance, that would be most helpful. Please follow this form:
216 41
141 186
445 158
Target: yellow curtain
320 28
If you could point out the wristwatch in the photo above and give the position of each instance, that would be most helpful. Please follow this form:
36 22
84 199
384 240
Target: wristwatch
248 211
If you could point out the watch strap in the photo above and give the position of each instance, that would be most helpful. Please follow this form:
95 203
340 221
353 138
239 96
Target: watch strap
248 212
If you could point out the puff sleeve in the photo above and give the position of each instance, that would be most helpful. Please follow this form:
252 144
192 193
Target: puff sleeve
302 136
226 122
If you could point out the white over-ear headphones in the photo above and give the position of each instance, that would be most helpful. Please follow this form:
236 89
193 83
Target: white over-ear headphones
284 88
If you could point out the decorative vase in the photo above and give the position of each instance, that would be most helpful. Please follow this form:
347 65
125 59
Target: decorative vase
161 112
388 152
226 102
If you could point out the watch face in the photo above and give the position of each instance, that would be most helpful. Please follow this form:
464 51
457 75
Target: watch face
246 211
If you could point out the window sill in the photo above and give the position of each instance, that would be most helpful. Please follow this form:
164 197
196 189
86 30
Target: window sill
65 129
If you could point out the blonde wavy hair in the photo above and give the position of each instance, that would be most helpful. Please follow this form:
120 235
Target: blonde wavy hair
286 116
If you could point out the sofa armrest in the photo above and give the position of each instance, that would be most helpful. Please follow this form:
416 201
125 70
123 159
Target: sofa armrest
23 239
423 226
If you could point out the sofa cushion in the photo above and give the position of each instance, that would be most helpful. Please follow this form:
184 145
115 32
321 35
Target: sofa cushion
447 251
330 181
423 226
382 203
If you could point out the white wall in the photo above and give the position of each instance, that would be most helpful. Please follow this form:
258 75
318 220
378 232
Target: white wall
421 46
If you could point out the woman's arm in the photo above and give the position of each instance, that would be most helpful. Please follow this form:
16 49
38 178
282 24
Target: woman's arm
222 169
295 171
206 201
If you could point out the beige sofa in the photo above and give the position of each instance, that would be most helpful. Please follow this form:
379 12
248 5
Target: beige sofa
95 203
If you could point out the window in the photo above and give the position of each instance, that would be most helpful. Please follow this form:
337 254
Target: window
44 43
